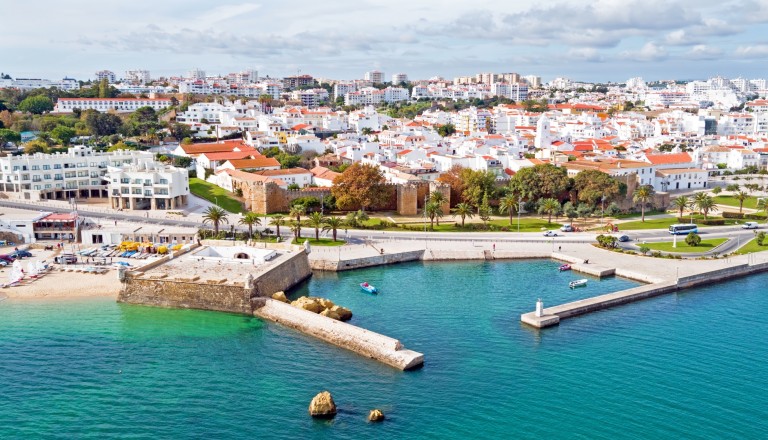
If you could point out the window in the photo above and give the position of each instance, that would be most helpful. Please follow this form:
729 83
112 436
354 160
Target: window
35 167
57 166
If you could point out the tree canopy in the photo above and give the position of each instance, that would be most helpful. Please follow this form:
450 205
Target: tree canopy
37 104
360 186
543 180
592 185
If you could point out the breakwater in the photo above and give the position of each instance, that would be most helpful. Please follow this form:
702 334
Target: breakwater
547 317
361 341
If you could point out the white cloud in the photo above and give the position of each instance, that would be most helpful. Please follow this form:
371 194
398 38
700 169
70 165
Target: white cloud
649 52
704 52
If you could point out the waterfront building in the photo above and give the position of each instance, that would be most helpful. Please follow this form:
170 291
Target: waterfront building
146 184
68 105
37 83
78 173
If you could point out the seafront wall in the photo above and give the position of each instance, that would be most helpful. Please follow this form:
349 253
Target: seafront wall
553 315
142 287
361 341
357 263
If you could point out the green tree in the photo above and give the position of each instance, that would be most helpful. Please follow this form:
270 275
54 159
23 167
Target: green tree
741 196
593 185
36 104
296 229
681 204
643 195
446 130
215 216
705 203
333 224
121 146
438 198
570 211
278 220
463 210
180 131
250 219
316 220
477 185
543 180
549 206
63 134
733 187
760 238
692 239
432 210
7 136
717 190
360 186
102 124
509 204
583 211
484 210
35 146
296 212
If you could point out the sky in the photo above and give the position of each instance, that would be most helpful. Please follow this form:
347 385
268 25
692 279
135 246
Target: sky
591 41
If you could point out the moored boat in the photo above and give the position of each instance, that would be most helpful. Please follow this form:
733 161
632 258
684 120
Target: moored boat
565 267
578 283
368 288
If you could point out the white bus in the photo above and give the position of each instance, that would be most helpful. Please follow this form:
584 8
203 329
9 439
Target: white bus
683 229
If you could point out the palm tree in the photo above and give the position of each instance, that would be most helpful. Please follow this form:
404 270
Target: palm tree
509 204
333 224
297 211
550 206
296 229
681 203
705 203
215 216
643 195
438 198
463 210
433 211
250 219
278 220
741 196
316 220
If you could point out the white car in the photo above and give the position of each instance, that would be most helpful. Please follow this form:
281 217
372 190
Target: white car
749 225
550 234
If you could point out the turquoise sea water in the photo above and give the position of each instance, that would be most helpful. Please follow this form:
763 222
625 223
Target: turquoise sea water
691 365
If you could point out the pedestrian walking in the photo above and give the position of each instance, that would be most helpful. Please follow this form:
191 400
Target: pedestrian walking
494 247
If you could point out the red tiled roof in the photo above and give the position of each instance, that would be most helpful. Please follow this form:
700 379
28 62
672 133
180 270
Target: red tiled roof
663 159
260 162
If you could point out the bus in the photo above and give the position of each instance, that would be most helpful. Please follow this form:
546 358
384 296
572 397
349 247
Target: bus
683 229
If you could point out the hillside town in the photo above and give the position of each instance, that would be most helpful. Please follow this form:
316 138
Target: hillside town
237 130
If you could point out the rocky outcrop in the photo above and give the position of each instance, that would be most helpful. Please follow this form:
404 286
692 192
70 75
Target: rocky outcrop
375 415
280 296
323 307
322 406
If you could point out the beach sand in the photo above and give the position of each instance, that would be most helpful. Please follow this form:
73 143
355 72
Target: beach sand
59 284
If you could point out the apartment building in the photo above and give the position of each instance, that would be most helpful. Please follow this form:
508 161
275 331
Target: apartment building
106 74
68 105
137 76
374 76
399 78
145 184
78 173
36 83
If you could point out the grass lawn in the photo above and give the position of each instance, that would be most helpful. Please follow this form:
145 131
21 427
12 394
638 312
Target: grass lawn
704 246
214 194
527 224
751 247
637 214
750 202
321 242
664 223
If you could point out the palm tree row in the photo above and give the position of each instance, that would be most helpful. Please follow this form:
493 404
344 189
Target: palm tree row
701 202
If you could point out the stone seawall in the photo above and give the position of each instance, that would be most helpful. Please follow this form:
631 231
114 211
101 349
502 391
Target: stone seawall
357 263
288 274
364 342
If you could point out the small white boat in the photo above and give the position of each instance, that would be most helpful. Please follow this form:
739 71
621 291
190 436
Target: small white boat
578 283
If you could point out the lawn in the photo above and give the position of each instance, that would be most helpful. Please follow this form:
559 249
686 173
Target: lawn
527 224
751 247
664 223
215 194
704 246
321 242
750 202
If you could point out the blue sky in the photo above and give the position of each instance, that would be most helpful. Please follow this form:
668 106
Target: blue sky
589 41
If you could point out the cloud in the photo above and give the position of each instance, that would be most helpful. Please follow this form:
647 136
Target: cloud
649 52
699 34
754 51
704 52
588 54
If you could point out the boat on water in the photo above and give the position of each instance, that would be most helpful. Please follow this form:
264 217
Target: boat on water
565 267
368 288
578 283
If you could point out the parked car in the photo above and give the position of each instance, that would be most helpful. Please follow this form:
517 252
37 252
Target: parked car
623 238
3 263
749 225
8 258
65 259
550 234
566 228
21 253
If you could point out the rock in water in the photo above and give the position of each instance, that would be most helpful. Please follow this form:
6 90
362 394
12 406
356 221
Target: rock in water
308 303
280 296
375 415
322 406
343 313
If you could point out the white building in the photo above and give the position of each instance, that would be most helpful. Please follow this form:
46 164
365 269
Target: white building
196 74
146 184
106 74
67 105
137 76
78 173
374 76
398 78
37 83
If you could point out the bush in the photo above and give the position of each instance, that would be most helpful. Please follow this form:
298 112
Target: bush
644 250
606 241
755 216
692 239
727 214
760 238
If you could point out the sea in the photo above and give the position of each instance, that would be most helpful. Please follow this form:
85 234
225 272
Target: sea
688 365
